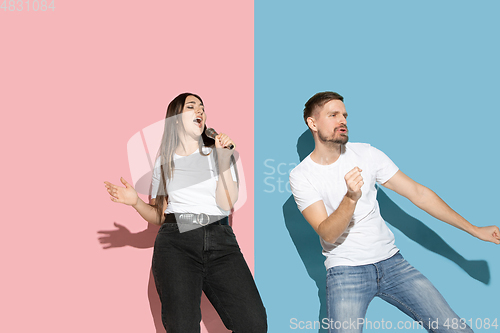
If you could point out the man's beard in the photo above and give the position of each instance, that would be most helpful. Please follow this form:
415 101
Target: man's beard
342 140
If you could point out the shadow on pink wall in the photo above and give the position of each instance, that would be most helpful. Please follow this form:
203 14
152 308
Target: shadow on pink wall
141 149
121 237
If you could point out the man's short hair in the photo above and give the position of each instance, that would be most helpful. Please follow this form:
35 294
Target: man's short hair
319 100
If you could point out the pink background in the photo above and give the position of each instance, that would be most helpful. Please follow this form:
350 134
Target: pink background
76 84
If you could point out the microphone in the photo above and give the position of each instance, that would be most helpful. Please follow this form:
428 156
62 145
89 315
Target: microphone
211 133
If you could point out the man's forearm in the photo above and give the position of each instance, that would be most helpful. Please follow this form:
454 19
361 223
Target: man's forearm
335 224
431 203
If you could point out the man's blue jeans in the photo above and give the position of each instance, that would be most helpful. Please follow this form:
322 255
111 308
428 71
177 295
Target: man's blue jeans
350 289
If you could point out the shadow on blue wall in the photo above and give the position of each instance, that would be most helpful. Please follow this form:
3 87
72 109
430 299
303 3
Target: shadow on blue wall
306 240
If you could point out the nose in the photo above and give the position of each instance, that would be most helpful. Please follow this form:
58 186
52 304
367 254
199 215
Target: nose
198 112
343 120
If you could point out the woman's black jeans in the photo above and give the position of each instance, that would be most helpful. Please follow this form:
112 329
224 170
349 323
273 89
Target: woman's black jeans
205 259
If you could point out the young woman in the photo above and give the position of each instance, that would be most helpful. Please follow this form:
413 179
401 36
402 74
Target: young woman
194 188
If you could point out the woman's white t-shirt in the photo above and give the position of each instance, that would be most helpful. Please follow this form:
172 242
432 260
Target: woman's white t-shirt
192 187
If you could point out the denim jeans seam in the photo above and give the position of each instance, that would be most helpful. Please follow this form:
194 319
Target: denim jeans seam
220 307
409 309
204 259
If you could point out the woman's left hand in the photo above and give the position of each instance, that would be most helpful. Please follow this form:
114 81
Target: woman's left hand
222 143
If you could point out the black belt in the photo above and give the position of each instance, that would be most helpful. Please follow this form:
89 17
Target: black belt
192 218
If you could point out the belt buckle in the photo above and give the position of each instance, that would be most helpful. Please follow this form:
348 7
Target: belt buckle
200 218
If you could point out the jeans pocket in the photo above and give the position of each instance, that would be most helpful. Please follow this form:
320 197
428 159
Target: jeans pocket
336 271
168 228
229 236
398 258
228 229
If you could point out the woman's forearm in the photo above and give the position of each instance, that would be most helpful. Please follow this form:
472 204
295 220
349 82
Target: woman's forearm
148 212
226 193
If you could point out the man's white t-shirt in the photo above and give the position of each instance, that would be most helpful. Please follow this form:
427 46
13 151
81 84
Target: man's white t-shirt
192 187
367 238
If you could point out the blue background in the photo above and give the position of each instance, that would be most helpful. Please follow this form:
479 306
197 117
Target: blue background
421 82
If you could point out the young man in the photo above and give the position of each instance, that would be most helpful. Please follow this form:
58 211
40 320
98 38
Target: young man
334 188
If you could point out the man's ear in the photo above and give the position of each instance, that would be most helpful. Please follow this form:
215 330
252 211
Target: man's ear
311 123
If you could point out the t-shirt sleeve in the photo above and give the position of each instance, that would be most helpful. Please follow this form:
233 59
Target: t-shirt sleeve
385 167
303 192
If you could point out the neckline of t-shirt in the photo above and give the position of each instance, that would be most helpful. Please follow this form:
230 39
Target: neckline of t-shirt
331 165
194 152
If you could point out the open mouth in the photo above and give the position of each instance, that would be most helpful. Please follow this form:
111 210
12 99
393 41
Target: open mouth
198 121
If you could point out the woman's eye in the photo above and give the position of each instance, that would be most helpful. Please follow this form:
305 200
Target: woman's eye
190 107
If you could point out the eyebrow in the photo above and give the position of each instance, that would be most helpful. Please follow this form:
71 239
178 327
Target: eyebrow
333 112
193 102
